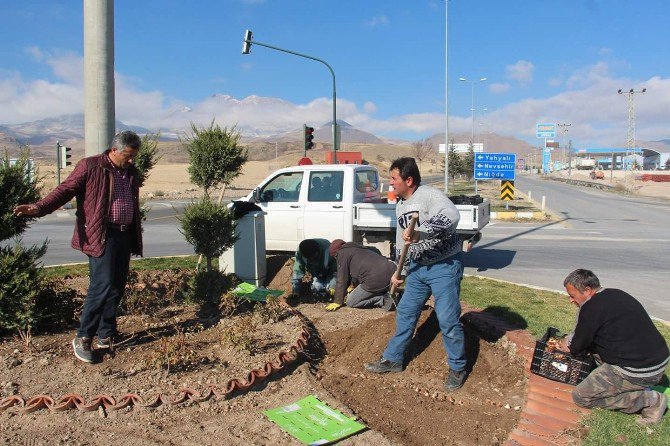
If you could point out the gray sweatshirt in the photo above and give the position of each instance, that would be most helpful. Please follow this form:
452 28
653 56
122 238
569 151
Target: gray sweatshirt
438 218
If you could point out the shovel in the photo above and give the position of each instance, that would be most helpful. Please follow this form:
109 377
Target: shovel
403 254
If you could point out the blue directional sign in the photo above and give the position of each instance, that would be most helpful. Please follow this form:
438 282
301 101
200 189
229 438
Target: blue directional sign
495 166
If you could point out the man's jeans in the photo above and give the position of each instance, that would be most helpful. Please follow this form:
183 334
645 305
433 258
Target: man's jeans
359 298
108 275
442 280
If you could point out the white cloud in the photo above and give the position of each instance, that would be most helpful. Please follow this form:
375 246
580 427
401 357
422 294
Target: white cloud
376 21
369 107
590 103
499 88
522 72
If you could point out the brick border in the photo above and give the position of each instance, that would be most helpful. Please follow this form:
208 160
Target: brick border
549 417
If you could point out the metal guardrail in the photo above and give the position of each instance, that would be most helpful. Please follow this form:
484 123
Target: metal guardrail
585 183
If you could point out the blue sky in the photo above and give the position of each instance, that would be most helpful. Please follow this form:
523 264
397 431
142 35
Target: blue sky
176 61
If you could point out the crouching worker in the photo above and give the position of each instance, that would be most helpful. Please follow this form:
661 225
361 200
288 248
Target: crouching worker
366 267
630 352
313 257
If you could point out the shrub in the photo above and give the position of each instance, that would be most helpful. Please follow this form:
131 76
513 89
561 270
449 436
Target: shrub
17 188
240 335
207 287
55 305
209 227
20 279
215 156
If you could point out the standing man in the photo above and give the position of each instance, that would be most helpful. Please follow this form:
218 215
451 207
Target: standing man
108 230
434 267
365 267
630 352
313 257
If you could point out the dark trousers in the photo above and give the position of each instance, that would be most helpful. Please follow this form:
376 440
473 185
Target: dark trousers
108 275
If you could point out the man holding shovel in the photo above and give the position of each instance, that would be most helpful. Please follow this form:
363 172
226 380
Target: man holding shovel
433 266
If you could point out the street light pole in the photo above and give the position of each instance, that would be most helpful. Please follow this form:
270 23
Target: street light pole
446 97
565 132
246 49
472 101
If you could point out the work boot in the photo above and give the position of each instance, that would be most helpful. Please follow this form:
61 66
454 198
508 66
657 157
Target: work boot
455 380
653 414
383 366
82 349
387 303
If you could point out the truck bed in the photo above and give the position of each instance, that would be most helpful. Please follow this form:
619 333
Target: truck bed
381 217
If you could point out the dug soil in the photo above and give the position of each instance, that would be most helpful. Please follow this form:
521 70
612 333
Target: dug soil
408 408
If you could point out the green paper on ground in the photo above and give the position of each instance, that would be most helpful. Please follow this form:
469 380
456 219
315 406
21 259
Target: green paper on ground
313 422
662 389
248 291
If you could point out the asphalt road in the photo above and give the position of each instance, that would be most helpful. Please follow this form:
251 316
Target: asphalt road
624 240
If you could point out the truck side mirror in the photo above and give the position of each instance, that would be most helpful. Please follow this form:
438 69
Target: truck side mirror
256 195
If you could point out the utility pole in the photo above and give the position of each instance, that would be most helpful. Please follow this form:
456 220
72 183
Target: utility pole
446 97
630 136
99 114
565 132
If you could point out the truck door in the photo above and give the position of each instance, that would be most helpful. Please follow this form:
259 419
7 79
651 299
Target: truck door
324 208
280 198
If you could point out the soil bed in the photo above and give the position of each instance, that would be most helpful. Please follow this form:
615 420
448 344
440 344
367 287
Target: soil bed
406 408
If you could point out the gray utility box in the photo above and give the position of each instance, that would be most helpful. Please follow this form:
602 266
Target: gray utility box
246 259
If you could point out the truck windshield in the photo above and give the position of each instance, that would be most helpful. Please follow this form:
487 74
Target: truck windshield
367 187
325 186
284 187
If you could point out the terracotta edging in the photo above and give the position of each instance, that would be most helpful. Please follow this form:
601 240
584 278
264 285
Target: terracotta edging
548 416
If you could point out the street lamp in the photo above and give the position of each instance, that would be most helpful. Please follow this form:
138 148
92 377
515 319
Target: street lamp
472 108
247 41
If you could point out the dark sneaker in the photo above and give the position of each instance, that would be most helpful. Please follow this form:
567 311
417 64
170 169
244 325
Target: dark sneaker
117 339
383 366
653 414
455 380
82 349
388 304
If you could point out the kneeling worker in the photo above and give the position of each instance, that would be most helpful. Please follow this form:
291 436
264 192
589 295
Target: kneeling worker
313 257
630 352
371 270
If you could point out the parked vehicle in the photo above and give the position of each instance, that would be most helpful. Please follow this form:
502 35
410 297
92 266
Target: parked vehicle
341 201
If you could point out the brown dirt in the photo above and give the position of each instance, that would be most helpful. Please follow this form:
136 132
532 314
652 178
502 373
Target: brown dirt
406 408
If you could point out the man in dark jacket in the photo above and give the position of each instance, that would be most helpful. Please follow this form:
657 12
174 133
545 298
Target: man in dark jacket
108 230
630 352
363 266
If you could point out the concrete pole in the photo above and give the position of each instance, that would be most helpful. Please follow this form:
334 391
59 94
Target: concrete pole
99 113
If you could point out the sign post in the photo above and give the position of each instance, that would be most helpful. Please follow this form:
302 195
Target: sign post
546 131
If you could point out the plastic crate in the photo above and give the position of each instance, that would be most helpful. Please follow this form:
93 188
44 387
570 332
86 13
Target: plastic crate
558 365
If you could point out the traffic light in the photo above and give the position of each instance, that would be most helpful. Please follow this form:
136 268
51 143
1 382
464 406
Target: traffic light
64 156
308 136
246 43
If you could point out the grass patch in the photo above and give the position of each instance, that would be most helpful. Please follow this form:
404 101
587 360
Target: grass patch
528 308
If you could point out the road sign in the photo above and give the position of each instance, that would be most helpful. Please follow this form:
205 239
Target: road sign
507 190
521 164
546 130
495 166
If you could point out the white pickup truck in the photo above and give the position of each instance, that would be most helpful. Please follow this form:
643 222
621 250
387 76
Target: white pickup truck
339 201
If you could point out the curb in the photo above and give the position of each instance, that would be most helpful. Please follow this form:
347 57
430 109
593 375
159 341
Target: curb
549 417
510 215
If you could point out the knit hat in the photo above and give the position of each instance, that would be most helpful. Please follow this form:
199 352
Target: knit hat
335 246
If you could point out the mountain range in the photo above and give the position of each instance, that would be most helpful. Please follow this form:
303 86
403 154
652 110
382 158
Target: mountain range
43 134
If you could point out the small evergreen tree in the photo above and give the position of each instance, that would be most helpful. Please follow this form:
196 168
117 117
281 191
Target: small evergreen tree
147 156
20 276
215 155
469 162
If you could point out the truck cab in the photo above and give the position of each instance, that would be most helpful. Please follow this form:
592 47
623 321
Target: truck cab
314 201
